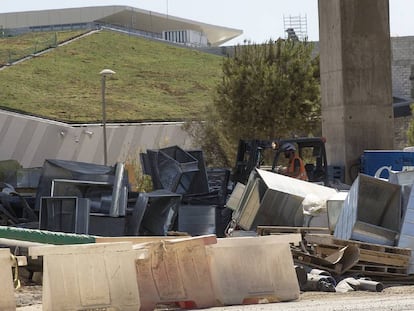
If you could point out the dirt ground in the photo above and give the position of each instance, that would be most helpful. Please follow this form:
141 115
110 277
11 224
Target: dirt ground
29 298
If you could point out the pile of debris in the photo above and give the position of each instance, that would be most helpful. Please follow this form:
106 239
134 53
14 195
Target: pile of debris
233 242
364 232
87 198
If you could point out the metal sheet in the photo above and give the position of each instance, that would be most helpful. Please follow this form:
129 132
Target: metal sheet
406 180
372 210
234 200
334 207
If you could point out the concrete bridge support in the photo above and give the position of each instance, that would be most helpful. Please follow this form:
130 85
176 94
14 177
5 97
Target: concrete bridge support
355 64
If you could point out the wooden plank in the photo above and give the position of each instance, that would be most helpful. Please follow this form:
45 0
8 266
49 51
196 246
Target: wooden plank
331 240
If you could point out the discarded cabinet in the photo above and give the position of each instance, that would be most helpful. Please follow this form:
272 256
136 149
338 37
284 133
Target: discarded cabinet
253 269
371 212
175 271
64 214
7 300
88 277
271 199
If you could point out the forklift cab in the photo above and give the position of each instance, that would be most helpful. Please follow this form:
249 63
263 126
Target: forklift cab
268 155
311 151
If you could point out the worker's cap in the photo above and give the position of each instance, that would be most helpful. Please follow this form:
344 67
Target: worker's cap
288 147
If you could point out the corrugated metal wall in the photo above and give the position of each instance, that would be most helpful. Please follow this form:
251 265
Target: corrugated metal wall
31 140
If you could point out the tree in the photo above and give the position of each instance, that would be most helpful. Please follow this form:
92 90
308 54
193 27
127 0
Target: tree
267 91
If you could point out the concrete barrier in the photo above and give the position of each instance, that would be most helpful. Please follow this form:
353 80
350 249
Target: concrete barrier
175 271
253 269
7 300
88 277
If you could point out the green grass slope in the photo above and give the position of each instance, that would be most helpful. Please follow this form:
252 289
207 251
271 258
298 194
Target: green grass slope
153 81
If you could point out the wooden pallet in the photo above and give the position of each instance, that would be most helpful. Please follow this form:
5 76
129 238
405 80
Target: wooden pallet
374 259
370 269
366 255
326 239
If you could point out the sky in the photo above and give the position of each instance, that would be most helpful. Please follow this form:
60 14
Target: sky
260 20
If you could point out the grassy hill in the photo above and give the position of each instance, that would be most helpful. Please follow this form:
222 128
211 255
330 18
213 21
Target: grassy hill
153 80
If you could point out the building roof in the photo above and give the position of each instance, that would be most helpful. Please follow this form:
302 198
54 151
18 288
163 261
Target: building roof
124 16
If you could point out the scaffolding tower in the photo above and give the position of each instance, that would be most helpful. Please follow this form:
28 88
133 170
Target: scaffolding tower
296 27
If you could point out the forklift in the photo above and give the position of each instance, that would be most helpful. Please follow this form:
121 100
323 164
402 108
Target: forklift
266 155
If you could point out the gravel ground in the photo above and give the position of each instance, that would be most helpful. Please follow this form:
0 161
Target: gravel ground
29 298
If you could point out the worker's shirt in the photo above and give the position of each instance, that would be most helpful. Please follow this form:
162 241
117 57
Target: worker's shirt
297 163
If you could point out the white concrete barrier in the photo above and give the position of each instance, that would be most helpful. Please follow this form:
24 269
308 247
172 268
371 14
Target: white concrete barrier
175 271
7 300
253 269
88 277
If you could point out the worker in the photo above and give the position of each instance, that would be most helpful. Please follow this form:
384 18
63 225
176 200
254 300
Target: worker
295 167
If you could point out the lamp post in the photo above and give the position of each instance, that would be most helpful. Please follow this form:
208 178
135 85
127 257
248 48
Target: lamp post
104 73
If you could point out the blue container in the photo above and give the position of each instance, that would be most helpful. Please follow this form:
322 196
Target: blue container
372 160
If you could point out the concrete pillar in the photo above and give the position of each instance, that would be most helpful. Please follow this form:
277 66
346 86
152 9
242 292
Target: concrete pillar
355 65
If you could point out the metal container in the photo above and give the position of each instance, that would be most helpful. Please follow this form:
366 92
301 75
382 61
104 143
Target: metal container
274 199
371 212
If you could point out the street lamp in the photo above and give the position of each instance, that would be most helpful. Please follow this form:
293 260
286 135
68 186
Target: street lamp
104 73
